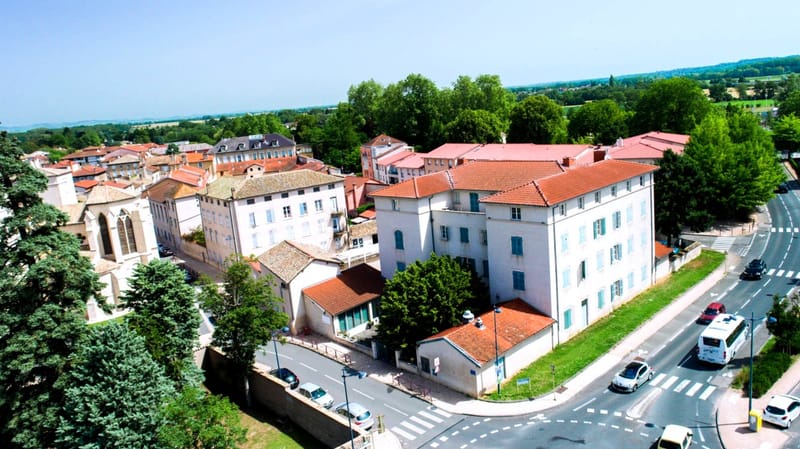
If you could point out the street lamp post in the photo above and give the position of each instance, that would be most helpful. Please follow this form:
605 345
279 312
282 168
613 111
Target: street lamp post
496 351
347 372
275 345
750 383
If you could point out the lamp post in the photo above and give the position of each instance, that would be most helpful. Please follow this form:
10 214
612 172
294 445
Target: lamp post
750 383
275 345
496 351
348 372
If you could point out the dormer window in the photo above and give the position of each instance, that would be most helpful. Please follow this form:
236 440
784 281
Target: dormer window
223 147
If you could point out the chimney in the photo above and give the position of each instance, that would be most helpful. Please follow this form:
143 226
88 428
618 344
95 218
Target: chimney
479 323
568 161
467 317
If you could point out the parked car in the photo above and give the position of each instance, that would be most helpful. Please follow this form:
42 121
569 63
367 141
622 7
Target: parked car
359 414
755 269
633 376
316 393
781 410
782 188
286 375
163 251
675 437
711 312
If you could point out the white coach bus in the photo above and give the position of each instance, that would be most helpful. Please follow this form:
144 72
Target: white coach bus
721 339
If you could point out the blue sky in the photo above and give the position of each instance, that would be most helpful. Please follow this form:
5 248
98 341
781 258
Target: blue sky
68 61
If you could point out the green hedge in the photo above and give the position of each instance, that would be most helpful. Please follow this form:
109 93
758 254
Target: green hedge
767 369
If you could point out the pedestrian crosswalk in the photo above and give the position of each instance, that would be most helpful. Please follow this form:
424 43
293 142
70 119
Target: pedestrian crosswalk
420 423
666 382
787 229
783 273
723 243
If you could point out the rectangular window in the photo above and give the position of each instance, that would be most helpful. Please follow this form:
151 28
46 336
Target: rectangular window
401 266
599 228
516 213
456 197
567 319
630 245
613 190
582 270
287 211
564 242
617 219
629 214
628 185
316 189
271 236
630 280
398 240
290 232
464 235
270 217
301 192
518 278
516 246
473 202
358 243
641 181
582 234
303 209
285 195
616 290
597 197
268 198
644 273
306 229
331 186
643 211
444 233
581 204
254 240
485 268
616 253
601 299
562 209
565 278
251 201
318 205
484 237
600 259
395 205
252 219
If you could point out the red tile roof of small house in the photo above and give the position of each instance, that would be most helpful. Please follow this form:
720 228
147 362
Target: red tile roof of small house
350 288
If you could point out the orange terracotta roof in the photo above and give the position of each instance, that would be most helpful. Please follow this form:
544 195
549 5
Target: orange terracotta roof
529 152
579 181
493 176
86 183
650 145
414 160
88 170
394 157
383 139
352 287
661 250
516 322
190 175
368 214
269 165
451 150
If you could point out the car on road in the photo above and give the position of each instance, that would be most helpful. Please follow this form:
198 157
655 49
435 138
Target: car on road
316 393
359 414
782 188
633 376
755 269
711 311
781 410
286 375
163 251
675 437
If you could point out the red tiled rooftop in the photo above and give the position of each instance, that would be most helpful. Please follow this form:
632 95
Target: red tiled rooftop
394 157
451 150
415 160
381 140
86 183
88 170
351 288
528 152
661 250
516 322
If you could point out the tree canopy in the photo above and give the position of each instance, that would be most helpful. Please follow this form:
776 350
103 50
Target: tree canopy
603 120
410 110
246 313
44 286
674 105
537 119
681 196
475 126
114 394
199 420
786 133
424 299
164 314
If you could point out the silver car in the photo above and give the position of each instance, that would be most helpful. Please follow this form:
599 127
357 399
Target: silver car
633 376
359 415
316 393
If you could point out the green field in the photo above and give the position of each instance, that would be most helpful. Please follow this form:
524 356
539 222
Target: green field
754 105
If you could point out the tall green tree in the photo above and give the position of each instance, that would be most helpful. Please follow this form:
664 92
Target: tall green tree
44 286
681 196
410 110
341 139
114 393
602 120
785 325
246 314
199 420
476 126
786 133
364 98
164 314
537 119
790 105
674 105
424 299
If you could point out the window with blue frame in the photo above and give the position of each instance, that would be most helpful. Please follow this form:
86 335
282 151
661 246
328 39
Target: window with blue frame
567 319
398 240
516 245
473 202
518 278
464 235
353 317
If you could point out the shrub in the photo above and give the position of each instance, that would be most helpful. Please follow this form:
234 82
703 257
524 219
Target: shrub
767 369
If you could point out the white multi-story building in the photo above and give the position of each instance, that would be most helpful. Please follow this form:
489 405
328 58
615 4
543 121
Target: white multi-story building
252 213
174 205
573 243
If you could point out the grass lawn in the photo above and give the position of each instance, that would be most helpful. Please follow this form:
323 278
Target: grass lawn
576 354
265 433
758 105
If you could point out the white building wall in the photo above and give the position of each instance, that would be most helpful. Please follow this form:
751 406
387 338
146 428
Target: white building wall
292 293
60 190
456 371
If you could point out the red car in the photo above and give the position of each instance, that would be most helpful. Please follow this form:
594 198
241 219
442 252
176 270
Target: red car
711 312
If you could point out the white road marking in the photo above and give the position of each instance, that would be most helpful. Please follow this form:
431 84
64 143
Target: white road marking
431 417
421 422
584 404
682 385
309 367
669 382
789 274
334 379
396 410
589 410
707 392
363 394
412 427
403 433
779 273
441 412
658 379
693 390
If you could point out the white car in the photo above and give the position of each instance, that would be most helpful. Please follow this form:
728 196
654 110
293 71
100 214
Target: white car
675 437
633 376
781 410
359 414
316 394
